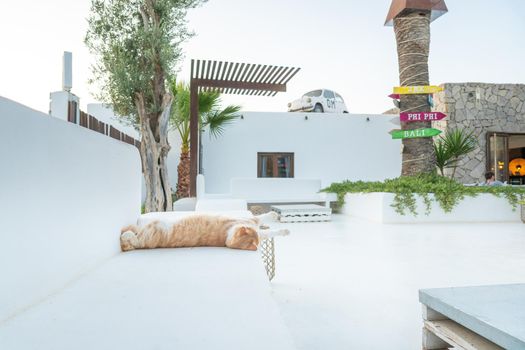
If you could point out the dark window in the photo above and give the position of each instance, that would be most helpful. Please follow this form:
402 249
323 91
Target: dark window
328 94
314 93
274 164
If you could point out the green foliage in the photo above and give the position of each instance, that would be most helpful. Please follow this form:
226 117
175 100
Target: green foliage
446 192
210 112
451 147
137 44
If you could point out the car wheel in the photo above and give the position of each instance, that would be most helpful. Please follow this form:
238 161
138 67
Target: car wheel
318 108
345 111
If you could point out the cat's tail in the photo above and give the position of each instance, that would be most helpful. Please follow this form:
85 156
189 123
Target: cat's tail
128 238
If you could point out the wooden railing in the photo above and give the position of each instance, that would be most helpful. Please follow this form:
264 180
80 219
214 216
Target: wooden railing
92 123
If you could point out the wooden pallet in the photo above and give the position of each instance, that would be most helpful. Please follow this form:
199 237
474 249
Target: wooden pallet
302 213
440 333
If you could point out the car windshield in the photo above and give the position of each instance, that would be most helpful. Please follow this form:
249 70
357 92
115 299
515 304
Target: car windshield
338 97
328 94
314 93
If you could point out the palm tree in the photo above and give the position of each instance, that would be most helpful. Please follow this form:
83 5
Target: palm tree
412 30
210 114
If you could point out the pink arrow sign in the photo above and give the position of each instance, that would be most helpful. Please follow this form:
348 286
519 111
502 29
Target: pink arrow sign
421 116
394 96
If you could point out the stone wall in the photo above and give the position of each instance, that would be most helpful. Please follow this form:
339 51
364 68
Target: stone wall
480 108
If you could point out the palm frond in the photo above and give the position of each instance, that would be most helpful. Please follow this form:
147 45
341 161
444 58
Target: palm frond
218 119
210 113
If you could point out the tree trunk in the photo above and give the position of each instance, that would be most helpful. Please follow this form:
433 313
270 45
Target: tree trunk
183 183
412 32
154 148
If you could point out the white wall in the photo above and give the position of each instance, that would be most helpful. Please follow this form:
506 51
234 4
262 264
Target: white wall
330 147
173 157
65 193
104 113
59 104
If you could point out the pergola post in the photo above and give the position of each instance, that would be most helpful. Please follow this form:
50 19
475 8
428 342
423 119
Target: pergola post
194 136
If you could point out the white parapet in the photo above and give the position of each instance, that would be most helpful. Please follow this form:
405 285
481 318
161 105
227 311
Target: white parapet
378 207
66 192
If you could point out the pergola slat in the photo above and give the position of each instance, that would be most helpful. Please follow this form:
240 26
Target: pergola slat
234 71
291 76
212 76
226 65
260 73
278 75
285 75
208 65
197 69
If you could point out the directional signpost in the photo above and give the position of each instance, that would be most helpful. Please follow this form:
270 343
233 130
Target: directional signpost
416 133
413 90
416 116
421 116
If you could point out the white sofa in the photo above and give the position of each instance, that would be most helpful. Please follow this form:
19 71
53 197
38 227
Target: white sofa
280 190
270 191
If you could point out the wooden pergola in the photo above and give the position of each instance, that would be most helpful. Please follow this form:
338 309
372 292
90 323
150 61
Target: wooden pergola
229 78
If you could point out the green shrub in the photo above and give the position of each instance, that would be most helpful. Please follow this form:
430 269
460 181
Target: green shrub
447 192
451 147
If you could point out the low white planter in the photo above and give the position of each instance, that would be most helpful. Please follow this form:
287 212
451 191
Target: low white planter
377 207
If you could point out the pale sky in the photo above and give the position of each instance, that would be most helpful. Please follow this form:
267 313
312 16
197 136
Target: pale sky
339 44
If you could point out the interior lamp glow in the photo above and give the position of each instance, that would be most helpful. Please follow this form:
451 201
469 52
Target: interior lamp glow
516 165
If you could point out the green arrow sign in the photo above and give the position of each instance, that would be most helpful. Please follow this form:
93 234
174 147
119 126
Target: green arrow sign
416 133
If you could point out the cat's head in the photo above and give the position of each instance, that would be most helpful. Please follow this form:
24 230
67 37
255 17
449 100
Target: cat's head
245 238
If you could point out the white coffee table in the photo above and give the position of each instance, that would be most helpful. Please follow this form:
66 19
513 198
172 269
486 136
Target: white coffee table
302 212
474 318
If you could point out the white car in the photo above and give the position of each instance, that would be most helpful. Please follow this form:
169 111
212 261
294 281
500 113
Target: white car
319 101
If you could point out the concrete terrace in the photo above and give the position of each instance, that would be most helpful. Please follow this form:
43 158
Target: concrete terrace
353 284
345 284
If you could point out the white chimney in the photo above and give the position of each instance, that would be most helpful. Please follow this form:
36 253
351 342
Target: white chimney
67 71
64 105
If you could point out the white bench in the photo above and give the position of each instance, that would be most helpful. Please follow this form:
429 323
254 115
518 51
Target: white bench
271 191
280 190
144 299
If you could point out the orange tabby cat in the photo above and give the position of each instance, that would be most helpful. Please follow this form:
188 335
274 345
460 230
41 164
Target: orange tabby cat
200 231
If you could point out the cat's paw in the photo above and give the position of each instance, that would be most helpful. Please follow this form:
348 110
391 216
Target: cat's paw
128 241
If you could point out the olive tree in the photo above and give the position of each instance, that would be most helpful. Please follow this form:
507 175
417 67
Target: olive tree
137 44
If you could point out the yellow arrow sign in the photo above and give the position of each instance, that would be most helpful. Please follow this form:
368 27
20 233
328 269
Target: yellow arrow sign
412 90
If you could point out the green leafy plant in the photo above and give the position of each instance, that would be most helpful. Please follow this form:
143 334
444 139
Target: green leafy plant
210 115
430 187
451 147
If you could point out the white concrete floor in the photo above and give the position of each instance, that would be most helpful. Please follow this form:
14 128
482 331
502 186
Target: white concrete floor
352 284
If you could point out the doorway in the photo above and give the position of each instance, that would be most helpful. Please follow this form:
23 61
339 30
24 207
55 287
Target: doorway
506 157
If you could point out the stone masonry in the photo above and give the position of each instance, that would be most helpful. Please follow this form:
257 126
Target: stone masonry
480 108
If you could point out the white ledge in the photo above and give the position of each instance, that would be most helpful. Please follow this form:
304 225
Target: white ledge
377 207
